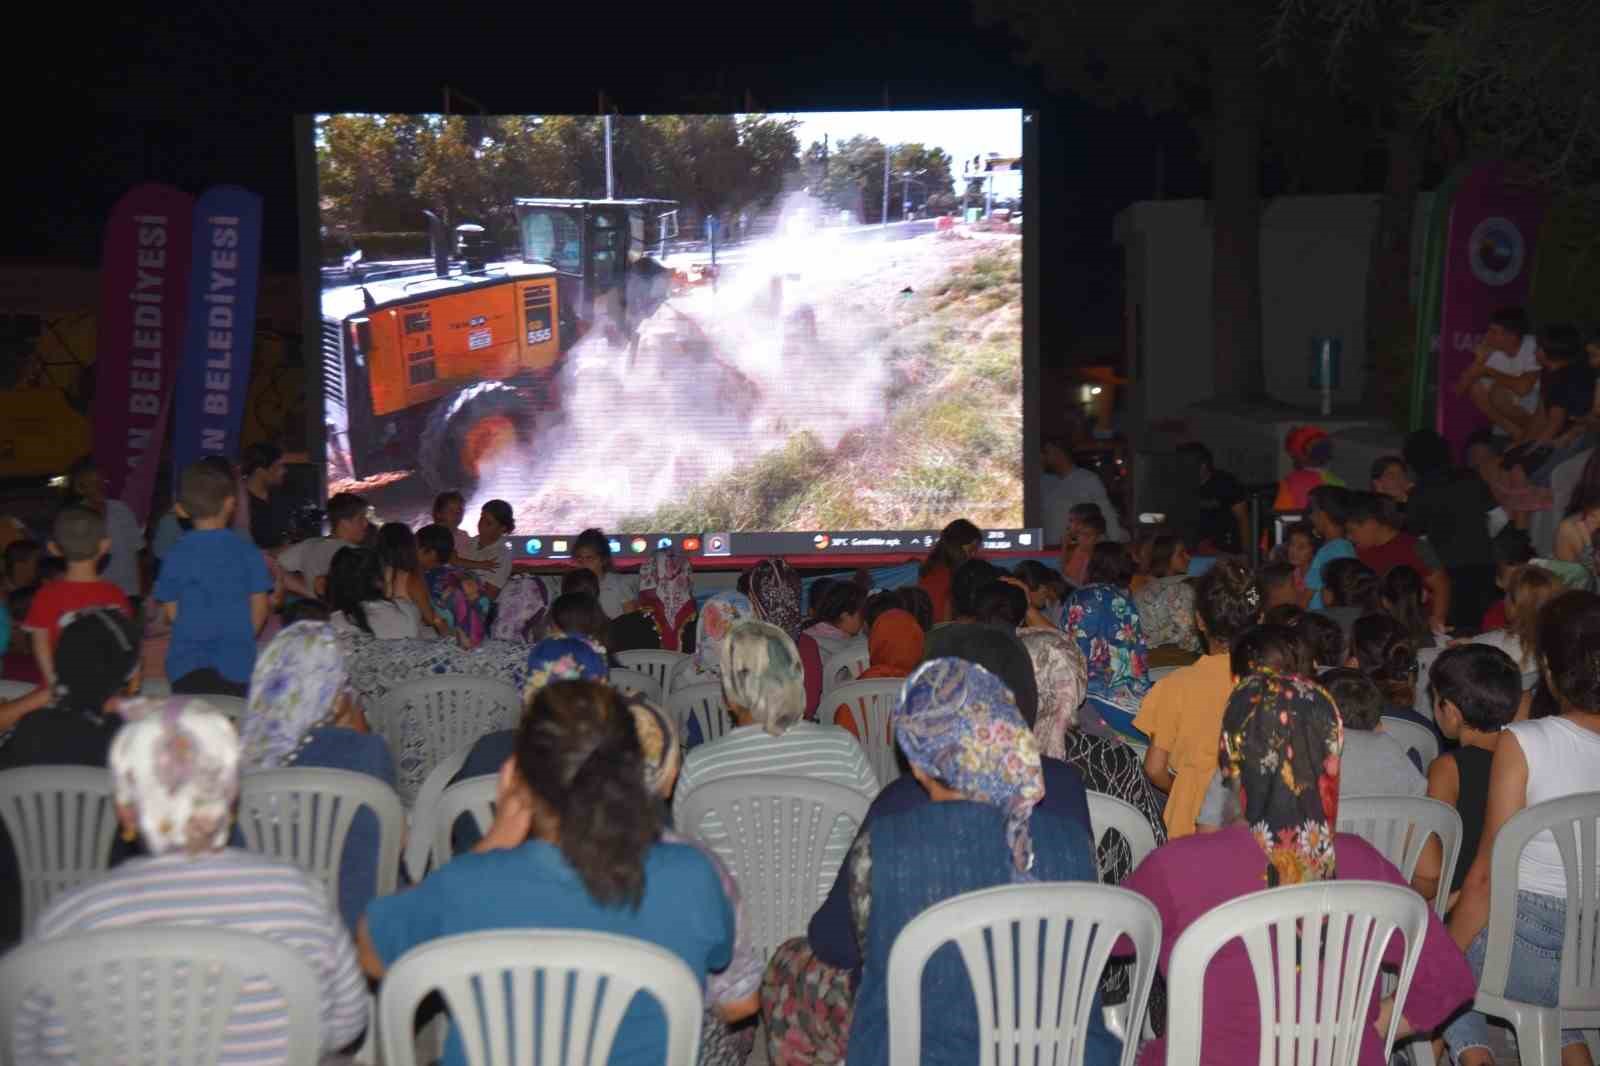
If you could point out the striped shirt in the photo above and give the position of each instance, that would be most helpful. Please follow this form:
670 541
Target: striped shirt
229 889
824 752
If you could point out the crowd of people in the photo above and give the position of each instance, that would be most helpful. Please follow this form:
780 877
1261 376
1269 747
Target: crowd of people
1232 706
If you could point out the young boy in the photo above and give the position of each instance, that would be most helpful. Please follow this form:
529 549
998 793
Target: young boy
1373 763
1476 691
1503 378
1329 505
1277 586
449 511
1382 546
79 537
1391 478
311 559
214 588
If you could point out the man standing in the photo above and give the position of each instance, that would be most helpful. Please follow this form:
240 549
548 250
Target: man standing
1223 519
1064 485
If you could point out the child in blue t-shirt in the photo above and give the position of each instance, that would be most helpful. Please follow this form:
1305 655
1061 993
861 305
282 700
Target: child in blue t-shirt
214 587
1328 516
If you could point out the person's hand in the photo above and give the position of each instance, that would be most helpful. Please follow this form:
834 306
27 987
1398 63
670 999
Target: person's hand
513 814
351 715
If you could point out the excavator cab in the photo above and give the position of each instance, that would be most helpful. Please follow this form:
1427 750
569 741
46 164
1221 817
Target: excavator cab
605 272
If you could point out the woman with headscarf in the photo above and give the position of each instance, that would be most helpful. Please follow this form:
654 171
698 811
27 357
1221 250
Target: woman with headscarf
763 691
969 748
894 648
732 995
522 611
301 713
175 774
665 616
1279 755
1102 618
720 613
775 593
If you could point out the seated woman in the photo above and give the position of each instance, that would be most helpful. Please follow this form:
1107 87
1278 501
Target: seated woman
356 594
1102 618
958 542
1381 649
175 770
522 612
454 593
974 755
1280 754
838 617
775 598
1536 761
1045 586
894 648
574 845
717 617
666 612
1166 604
402 575
618 593
301 713
1528 589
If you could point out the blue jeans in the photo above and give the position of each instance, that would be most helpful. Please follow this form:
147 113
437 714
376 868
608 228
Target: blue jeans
1535 975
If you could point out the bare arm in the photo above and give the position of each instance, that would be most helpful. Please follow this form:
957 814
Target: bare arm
1438 585
1508 794
1158 769
14 711
1444 785
260 607
371 964
1241 514
43 657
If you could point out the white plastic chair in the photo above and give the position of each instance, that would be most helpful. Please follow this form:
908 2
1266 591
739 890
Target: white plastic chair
845 665
303 815
155 688
1108 814
1160 672
1399 827
1413 737
232 706
487 979
678 676
703 703
871 705
11 690
193 977
61 821
1345 924
635 683
1574 821
1062 934
419 835
474 796
776 831
427 719
660 665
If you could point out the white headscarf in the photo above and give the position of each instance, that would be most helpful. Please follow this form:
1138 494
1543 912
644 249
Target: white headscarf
176 764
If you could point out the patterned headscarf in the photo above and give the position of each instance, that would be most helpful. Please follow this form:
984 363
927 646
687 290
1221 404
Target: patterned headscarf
295 688
716 618
762 672
1063 679
176 764
563 659
1281 741
1105 623
658 742
958 724
775 594
521 610
666 589
894 645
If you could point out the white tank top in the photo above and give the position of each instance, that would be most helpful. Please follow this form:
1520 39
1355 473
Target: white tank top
1562 759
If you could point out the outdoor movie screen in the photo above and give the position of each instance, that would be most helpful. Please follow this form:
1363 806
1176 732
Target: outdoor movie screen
759 332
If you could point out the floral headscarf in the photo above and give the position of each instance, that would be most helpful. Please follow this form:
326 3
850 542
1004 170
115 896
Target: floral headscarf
658 742
666 590
176 765
521 610
563 659
958 723
1281 741
775 594
894 645
295 688
1105 623
1063 679
762 673
716 618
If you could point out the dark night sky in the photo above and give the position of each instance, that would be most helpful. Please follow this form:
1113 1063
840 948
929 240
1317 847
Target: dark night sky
209 97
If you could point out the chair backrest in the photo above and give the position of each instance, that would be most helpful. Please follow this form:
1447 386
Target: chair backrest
1399 827
1157 673
303 815
1062 934
427 719
474 796
660 665
1413 737
1108 814
1315 950
703 703
775 832
232 706
98 984
10 690
588 981
871 705
675 676
1574 822
635 683
425 808
846 664
61 821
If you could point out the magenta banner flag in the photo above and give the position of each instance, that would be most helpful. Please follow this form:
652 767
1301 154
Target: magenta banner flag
144 280
1494 222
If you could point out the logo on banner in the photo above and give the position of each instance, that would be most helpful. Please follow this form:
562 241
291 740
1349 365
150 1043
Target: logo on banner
1496 251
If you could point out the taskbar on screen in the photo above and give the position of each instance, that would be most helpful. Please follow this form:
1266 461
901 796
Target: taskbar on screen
714 545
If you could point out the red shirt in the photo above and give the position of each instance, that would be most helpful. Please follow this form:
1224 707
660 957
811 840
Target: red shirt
57 598
1494 618
1401 551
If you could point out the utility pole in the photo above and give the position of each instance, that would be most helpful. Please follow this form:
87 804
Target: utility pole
884 220
611 189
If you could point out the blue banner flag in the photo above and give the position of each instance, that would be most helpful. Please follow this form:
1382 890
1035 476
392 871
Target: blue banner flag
214 376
